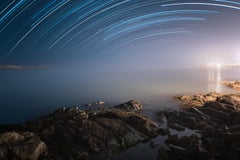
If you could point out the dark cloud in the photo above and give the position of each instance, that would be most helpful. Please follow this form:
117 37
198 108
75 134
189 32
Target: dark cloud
18 67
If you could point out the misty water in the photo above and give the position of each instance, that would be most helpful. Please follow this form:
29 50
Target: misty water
28 94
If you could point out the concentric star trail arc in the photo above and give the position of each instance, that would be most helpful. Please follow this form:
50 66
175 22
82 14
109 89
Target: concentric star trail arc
52 28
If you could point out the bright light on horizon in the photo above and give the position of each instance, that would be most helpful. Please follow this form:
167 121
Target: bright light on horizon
214 65
219 65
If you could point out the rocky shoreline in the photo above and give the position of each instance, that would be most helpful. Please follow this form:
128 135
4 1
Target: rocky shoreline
232 84
216 120
71 133
211 121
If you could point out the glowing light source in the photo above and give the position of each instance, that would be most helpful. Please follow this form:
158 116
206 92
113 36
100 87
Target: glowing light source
219 65
214 65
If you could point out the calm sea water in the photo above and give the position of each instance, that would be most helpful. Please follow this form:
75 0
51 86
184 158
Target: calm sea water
28 94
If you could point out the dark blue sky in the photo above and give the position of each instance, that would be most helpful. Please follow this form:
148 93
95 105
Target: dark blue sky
149 32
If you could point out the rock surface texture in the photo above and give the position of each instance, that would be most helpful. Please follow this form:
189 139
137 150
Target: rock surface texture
216 120
22 145
71 134
232 84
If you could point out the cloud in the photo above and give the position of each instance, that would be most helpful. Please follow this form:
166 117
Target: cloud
19 67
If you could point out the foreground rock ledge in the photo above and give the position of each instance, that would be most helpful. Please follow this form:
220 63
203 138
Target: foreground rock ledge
216 120
77 134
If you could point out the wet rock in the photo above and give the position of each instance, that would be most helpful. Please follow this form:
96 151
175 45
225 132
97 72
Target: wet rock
198 100
72 133
132 105
172 139
152 144
214 112
227 100
180 119
21 146
216 117
232 84
176 127
193 100
188 148
169 154
163 132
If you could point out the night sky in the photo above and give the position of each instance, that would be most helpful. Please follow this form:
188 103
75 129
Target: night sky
150 32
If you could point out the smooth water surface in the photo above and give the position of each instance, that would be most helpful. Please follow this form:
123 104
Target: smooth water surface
28 94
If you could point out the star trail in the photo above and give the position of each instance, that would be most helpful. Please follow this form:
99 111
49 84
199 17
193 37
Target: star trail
59 28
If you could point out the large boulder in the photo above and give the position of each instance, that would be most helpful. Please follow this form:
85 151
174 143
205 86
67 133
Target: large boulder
21 146
197 100
132 105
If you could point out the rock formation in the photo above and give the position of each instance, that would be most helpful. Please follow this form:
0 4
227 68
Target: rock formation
232 84
216 120
71 133
22 145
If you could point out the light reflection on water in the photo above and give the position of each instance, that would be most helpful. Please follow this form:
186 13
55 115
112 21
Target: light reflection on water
214 80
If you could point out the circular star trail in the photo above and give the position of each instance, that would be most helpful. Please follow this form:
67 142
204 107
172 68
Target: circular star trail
65 28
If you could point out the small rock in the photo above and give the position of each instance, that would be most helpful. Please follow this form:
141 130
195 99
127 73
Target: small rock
132 105
100 103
